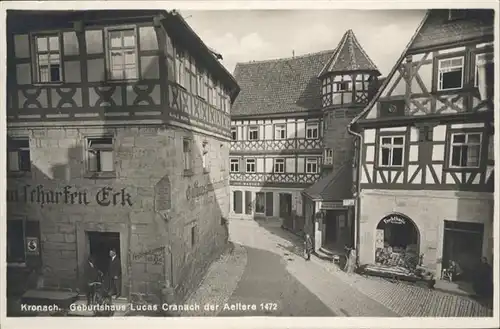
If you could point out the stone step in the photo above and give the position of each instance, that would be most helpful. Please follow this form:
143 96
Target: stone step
325 256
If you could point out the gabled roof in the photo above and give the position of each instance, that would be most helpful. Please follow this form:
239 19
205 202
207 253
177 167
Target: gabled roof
283 85
434 30
332 187
348 57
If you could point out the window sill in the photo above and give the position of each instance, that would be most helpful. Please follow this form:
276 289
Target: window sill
378 167
462 169
206 170
121 81
16 265
100 175
188 173
328 165
19 174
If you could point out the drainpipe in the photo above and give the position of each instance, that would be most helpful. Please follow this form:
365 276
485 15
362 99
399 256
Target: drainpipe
357 193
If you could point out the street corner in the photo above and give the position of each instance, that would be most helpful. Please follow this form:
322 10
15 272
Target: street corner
219 283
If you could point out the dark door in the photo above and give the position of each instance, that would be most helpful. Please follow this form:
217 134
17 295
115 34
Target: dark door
248 202
100 245
285 205
237 202
463 243
269 204
331 227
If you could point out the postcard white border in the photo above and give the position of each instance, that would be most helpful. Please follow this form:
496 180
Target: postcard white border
225 322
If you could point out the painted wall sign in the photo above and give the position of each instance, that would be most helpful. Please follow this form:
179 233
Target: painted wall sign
196 190
32 245
153 256
70 195
332 205
394 219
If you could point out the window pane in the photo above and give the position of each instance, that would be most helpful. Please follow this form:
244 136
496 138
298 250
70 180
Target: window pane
131 73
455 156
397 156
459 138
92 160
13 161
398 140
473 156
44 73
115 39
41 44
106 160
54 59
386 141
385 156
43 60
24 160
452 79
117 59
474 138
55 73
117 74
128 38
130 58
54 43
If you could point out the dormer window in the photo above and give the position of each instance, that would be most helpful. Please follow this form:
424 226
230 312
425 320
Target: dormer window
455 14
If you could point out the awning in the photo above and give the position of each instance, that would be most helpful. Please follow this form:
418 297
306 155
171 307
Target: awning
332 187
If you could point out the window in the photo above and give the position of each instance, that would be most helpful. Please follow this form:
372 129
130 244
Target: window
48 58
250 165
342 84
391 151
450 73
312 130
15 241
186 149
204 157
234 134
279 165
328 156
465 150
191 77
18 157
235 165
280 131
327 86
311 166
100 154
123 54
179 67
253 133
481 59
202 90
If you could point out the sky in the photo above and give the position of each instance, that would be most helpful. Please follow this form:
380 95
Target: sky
253 35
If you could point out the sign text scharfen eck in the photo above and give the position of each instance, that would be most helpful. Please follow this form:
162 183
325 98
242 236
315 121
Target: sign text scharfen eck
106 196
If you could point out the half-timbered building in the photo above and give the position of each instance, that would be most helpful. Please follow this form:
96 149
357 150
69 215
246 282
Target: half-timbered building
425 175
276 127
347 81
118 136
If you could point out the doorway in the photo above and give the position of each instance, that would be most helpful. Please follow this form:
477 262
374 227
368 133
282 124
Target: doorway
331 229
100 243
285 201
463 244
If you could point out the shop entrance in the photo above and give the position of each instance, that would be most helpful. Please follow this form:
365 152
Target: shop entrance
100 243
397 242
463 244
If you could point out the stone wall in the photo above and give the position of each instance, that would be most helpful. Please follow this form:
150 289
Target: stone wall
428 210
146 158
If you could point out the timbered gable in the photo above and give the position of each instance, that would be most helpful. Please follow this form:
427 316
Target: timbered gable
441 71
428 155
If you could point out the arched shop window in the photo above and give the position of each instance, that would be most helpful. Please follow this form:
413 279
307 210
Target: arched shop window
397 241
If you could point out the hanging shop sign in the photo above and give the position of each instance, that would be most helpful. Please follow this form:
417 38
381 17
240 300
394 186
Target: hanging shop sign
332 205
394 219
32 245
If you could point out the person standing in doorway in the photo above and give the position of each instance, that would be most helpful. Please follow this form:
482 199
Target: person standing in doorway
92 275
308 246
114 273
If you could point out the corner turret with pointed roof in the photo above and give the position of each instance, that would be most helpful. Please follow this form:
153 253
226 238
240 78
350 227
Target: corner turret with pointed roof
347 75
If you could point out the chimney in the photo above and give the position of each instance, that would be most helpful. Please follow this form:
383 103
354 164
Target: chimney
293 53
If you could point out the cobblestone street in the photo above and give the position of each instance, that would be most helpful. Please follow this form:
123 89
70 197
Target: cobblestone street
266 269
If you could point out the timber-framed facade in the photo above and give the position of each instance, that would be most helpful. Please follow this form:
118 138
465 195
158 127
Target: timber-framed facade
426 155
